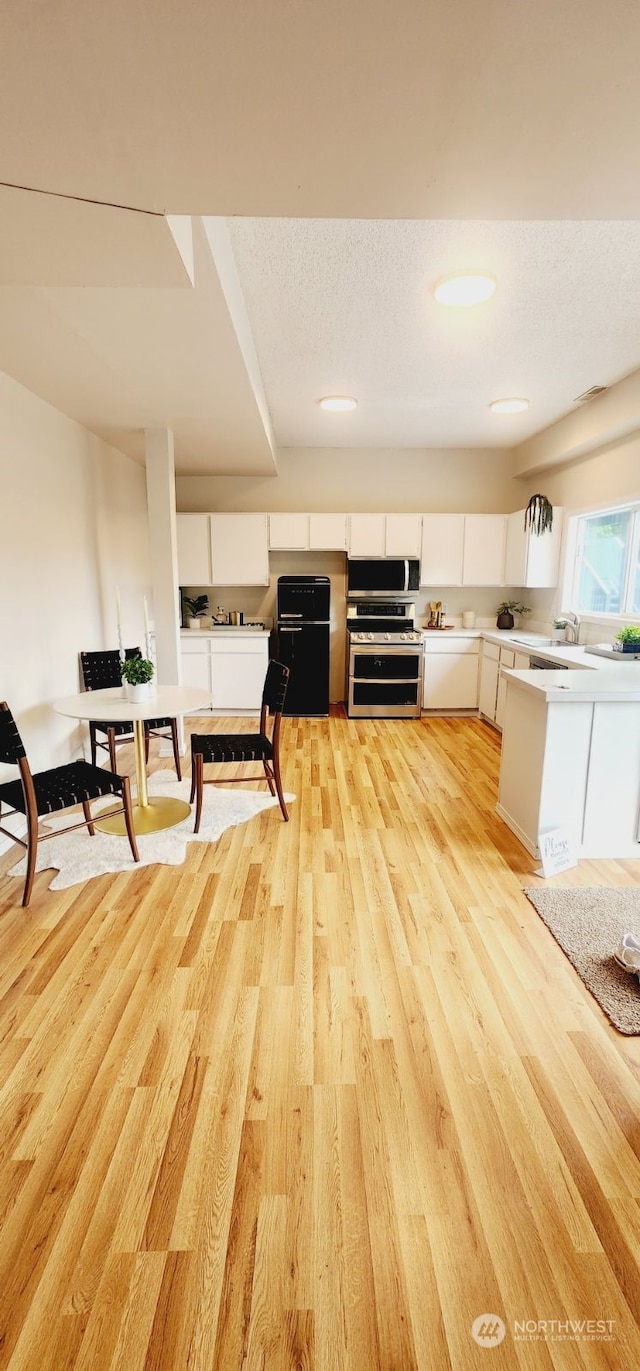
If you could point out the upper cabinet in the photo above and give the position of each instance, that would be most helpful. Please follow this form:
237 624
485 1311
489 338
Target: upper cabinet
385 535
194 549
442 549
484 544
239 550
308 532
532 560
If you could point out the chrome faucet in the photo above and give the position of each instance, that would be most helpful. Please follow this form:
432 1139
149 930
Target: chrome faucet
572 621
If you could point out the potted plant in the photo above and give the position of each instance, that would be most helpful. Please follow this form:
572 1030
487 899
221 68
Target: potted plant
507 610
137 674
195 608
628 639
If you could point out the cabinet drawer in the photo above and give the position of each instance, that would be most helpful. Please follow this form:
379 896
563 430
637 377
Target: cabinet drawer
507 656
491 650
239 647
452 645
194 644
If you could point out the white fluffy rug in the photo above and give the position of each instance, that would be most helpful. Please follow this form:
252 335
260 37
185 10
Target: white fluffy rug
79 857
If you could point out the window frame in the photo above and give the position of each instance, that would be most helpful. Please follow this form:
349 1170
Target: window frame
572 563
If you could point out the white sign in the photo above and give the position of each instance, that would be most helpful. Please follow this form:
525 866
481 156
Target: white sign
556 852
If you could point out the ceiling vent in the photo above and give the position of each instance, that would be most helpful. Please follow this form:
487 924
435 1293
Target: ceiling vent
589 395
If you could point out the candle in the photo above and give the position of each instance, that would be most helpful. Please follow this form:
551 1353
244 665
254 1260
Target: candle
119 619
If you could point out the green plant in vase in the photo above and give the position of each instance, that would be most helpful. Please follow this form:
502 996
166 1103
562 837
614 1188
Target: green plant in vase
137 674
506 611
628 638
195 607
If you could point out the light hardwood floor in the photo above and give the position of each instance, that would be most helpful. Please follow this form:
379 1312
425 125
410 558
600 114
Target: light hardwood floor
320 1097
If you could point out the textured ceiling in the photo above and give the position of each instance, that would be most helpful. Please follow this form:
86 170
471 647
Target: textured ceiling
375 124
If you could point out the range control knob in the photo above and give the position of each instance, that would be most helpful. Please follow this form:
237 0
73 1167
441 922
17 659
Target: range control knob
370 637
386 637
404 637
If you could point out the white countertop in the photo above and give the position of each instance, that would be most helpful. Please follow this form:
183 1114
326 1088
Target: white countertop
239 630
611 683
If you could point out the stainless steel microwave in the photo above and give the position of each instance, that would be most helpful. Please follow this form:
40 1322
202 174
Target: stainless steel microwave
382 576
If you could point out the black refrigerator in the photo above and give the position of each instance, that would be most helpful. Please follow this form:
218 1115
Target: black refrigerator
303 641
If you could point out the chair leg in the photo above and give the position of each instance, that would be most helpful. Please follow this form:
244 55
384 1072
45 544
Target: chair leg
128 817
199 783
176 749
276 774
111 735
269 776
86 809
32 850
193 778
94 744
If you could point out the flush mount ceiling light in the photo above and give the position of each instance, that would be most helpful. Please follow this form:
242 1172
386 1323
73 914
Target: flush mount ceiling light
466 288
338 403
511 406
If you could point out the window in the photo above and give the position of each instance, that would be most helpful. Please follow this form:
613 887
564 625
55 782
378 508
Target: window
606 567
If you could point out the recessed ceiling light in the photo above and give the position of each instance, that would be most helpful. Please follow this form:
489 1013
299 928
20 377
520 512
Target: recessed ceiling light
466 288
513 406
338 403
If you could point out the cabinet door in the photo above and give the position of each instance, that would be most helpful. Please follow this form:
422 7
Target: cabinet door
196 669
367 535
442 547
489 669
239 551
484 539
237 673
288 531
515 557
543 554
403 535
328 531
194 550
451 680
521 662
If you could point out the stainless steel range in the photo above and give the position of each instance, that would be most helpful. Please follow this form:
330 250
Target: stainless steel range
385 660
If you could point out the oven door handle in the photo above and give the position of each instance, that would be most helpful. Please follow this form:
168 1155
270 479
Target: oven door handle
290 630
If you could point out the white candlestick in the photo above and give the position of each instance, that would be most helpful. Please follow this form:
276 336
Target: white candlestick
147 635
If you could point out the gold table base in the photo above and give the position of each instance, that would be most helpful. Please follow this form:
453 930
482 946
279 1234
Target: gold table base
159 812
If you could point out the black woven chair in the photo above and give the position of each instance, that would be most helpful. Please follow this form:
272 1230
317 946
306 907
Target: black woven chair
49 791
244 747
101 670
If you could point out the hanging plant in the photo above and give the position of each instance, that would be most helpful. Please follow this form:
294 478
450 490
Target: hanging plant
538 516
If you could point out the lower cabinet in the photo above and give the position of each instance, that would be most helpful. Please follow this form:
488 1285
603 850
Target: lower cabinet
451 673
232 669
493 686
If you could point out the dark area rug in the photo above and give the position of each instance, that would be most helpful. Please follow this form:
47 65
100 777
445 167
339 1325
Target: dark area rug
588 924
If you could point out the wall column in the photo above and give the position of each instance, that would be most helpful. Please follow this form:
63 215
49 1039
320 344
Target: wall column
161 508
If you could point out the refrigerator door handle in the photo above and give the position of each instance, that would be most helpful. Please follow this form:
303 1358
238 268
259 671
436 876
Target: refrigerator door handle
284 629
291 616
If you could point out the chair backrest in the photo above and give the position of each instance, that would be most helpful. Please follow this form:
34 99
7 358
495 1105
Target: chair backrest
275 687
102 669
11 744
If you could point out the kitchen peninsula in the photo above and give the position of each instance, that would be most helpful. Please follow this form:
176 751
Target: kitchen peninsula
571 758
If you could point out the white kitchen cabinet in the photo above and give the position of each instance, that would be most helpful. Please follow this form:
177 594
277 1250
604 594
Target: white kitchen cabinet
521 662
451 673
403 533
489 671
238 669
442 549
532 560
367 535
288 531
195 661
194 549
484 543
239 550
385 535
507 658
328 531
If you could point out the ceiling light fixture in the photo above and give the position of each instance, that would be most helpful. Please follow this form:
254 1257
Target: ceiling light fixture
512 406
466 288
338 403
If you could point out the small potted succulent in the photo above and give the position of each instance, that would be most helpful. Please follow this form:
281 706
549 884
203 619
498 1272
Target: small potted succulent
507 610
195 607
628 639
137 675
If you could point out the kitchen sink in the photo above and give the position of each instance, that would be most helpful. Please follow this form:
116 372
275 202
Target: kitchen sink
531 640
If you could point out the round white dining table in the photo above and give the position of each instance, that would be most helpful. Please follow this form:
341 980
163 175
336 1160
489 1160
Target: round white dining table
150 812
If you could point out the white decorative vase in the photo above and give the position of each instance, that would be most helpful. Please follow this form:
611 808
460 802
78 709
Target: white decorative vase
137 694
193 623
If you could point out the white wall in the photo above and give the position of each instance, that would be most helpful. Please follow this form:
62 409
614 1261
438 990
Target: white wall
391 480
74 527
